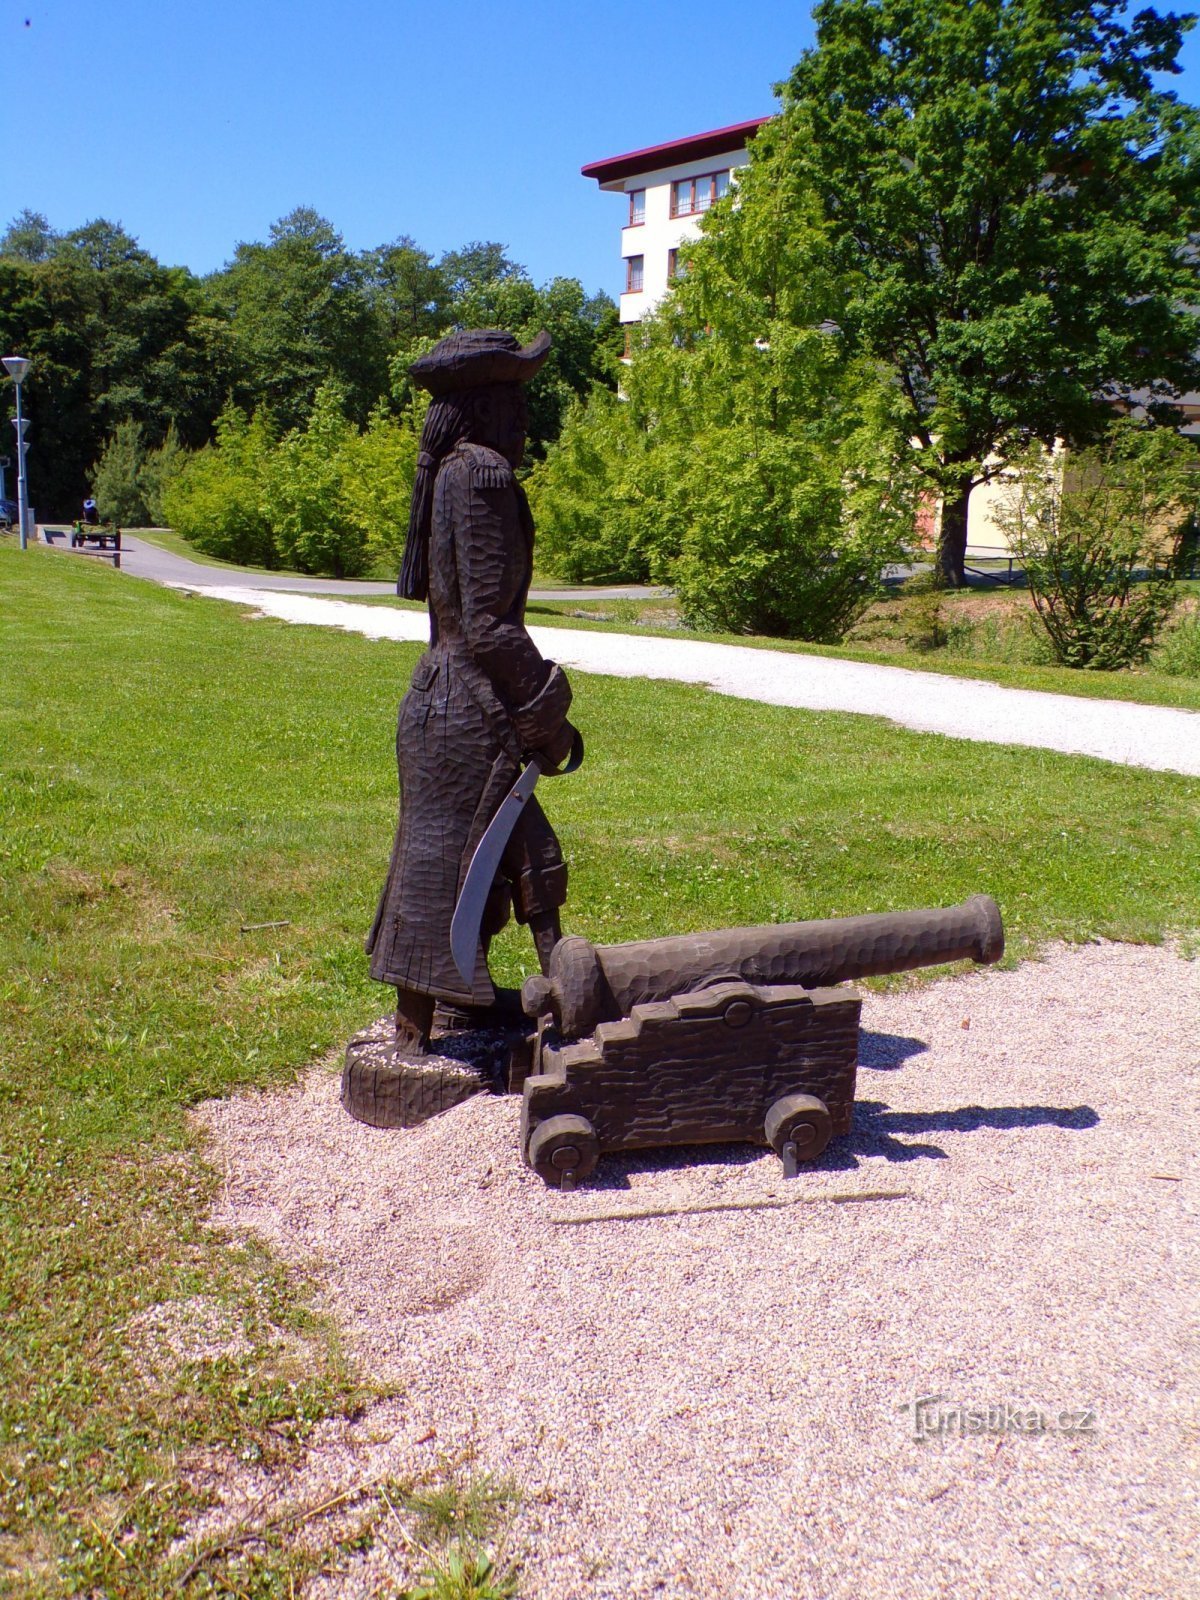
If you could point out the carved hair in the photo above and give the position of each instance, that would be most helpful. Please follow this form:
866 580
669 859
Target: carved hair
451 418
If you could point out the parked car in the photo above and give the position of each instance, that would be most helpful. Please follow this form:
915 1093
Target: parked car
8 513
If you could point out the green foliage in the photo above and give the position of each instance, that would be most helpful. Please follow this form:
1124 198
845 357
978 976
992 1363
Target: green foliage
458 1574
476 265
28 237
411 293
114 337
752 464
302 496
325 498
1096 537
451 1510
586 344
117 478
377 468
591 496
768 543
300 316
1009 197
158 469
216 498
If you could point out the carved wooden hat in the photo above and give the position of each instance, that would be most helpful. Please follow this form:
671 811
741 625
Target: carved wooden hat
476 357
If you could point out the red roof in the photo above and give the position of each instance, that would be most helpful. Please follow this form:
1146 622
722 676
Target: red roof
696 148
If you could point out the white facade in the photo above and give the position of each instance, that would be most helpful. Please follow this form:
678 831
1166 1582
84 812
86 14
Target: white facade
673 185
661 233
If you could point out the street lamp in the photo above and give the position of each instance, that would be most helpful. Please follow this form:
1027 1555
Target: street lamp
17 367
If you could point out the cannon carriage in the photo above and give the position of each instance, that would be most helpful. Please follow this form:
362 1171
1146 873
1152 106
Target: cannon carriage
737 1035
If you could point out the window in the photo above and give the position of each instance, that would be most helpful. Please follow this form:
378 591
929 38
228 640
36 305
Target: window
675 267
637 207
692 195
634 270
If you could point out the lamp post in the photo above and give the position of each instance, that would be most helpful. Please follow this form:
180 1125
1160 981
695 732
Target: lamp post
17 367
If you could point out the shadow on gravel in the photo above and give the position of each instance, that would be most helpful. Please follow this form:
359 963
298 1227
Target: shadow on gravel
876 1127
884 1052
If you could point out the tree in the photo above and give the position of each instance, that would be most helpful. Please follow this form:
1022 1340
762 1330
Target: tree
28 237
410 291
301 317
215 500
376 472
158 469
592 492
478 263
113 337
313 527
117 477
752 463
1010 199
585 333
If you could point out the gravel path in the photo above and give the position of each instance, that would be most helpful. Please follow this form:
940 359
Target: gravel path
965 708
720 1404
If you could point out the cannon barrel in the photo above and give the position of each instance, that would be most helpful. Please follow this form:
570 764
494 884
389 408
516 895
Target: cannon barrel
588 984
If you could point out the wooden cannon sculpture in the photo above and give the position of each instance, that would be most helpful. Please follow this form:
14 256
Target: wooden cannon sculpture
736 1035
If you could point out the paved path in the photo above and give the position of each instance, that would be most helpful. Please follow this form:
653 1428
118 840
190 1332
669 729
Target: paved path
964 708
144 559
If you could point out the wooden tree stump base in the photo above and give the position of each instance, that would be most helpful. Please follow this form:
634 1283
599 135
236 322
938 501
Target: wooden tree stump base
383 1086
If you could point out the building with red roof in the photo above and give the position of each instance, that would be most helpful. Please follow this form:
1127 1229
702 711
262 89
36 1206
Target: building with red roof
668 188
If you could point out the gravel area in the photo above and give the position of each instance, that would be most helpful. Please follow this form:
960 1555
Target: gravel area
1159 737
720 1404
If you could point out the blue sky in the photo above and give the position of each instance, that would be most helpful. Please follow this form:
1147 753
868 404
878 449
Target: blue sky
197 124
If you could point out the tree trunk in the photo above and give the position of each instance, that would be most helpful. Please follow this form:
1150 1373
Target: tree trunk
952 540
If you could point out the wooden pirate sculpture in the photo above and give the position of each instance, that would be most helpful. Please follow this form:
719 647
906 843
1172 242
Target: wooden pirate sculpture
483 701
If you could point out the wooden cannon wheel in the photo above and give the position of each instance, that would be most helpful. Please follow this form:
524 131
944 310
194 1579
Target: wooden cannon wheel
801 1121
563 1150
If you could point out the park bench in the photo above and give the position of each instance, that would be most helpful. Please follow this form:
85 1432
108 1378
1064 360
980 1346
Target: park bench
105 538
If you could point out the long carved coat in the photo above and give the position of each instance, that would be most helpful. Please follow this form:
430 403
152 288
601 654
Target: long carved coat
481 697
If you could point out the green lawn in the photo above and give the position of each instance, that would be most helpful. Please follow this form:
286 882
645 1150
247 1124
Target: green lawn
172 771
656 615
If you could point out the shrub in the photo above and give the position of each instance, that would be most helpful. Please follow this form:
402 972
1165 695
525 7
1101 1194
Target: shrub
768 539
1178 651
1098 538
302 494
376 470
589 496
216 499
159 467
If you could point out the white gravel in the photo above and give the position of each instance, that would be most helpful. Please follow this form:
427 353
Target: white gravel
714 1405
965 708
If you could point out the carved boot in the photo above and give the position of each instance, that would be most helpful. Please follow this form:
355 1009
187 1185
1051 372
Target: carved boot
414 1021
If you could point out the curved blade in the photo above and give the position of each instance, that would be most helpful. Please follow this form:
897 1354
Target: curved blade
468 913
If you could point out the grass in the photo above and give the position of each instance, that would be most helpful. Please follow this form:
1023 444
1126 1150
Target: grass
986 635
173 772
